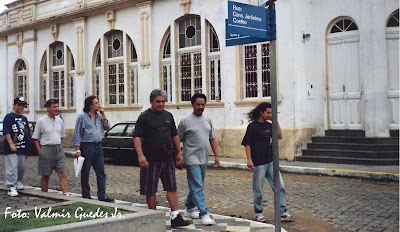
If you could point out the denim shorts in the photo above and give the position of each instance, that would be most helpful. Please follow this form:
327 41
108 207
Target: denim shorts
157 170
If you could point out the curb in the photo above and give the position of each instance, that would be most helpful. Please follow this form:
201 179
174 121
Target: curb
321 171
382 176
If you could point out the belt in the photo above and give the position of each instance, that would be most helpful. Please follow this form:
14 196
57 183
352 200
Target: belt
93 143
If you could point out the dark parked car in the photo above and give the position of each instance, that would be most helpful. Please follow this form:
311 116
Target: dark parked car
31 146
118 143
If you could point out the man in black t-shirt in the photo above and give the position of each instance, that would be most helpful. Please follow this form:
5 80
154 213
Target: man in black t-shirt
157 129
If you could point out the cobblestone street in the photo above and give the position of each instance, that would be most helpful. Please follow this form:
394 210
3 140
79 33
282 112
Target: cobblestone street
320 203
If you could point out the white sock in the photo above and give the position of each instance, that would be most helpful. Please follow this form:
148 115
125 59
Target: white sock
174 214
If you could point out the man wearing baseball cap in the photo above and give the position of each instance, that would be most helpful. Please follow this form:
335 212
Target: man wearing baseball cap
16 145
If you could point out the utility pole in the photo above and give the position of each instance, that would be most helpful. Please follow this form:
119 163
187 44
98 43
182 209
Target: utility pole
275 145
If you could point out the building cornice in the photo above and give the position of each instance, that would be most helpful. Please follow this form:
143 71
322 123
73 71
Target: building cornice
69 15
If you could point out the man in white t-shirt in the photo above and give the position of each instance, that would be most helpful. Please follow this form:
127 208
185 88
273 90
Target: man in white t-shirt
49 131
197 132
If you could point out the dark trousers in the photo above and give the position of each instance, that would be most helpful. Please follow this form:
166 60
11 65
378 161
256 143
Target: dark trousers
94 157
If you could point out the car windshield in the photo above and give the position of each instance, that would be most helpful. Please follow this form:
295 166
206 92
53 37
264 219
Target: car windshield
117 130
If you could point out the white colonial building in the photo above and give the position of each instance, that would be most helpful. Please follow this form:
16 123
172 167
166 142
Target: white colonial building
337 63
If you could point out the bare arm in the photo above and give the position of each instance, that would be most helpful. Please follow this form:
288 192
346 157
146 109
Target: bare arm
137 143
177 146
248 156
214 147
10 142
279 132
37 145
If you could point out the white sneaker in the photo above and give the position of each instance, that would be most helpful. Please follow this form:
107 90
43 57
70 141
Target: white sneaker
192 214
67 194
20 186
206 220
12 192
260 217
286 216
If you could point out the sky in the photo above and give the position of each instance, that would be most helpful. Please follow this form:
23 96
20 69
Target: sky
2 2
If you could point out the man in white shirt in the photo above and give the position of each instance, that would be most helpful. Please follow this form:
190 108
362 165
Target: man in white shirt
49 131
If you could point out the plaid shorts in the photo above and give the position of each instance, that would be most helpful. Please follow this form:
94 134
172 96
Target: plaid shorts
157 170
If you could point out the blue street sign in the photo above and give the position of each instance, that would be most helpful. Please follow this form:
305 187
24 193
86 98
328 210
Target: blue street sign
249 24
233 39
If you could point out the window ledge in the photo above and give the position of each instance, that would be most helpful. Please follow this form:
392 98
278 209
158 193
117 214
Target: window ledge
189 105
123 108
62 110
253 102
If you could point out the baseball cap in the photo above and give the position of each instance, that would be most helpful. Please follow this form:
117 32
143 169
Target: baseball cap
20 100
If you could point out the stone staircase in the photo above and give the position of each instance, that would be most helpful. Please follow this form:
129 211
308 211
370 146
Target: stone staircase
352 147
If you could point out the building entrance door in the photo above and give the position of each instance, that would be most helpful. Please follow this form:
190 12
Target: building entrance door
344 85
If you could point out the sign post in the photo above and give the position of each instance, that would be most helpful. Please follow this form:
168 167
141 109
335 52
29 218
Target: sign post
251 24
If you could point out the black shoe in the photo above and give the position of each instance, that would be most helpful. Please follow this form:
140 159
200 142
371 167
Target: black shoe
89 197
178 222
107 199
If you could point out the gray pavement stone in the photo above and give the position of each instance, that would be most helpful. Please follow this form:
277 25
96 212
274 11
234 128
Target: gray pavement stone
344 203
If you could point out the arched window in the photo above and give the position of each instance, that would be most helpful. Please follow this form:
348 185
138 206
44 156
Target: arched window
20 83
214 65
57 76
43 81
97 73
198 67
393 20
120 78
133 70
166 81
344 25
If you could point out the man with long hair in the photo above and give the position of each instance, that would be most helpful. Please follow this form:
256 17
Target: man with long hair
257 142
88 133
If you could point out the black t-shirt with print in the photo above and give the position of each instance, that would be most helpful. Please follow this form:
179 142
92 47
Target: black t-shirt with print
157 130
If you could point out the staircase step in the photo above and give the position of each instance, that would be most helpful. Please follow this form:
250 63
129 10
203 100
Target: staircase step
353 146
346 160
347 133
353 154
394 133
361 140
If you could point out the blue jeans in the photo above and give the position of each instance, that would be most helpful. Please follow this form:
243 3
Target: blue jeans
259 173
93 154
195 177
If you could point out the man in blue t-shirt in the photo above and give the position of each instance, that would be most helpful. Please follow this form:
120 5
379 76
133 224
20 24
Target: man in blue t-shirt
257 142
16 145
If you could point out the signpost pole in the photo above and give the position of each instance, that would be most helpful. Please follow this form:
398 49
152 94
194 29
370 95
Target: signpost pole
275 147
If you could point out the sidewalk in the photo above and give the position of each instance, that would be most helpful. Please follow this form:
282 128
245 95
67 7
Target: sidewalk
31 197
383 172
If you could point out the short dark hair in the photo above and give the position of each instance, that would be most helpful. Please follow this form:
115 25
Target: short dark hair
50 102
157 92
198 95
88 103
254 114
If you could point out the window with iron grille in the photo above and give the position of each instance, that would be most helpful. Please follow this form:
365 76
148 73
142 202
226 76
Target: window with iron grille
115 44
58 54
257 72
58 87
116 84
393 20
190 74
